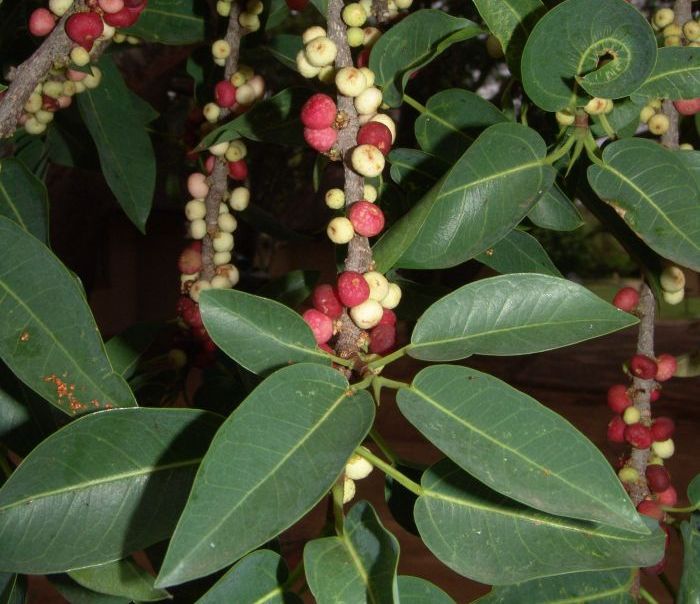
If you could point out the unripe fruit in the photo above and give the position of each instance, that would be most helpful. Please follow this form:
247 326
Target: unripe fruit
257 83
672 279
358 467
350 81
319 112
354 15
672 30
34 126
663 17
222 242
673 298
369 75
662 428
655 460
369 193
312 33
34 103
43 117
249 21
335 199
493 46
646 114
198 287
658 478
616 430
372 34
378 285
348 489
685 147
238 170
565 118
220 282
383 118
628 474
666 367
240 198
658 124
198 229
321 140
227 223
664 448
367 219
325 300
327 74
60 7
367 160
366 315
404 4
352 288
638 436
376 134
217 150
320 324
230 272
356 37
53 89
618 398
596 106
41 22
223 8
631 415
220 49
643 367
691 30
236 151
222 258
393 297
382 338
84 28
64 101
388 317
687 106
668 497
320 51
340 230
225 94
197 185
626 299
245 94
75 76
92 80
211 112
79 56
651 509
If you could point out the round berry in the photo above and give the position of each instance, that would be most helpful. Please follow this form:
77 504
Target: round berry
368 101
122 19
225 94
388 317
60 7
190 261
687 106
320 51
326 301
376 134
663 17
393 296
655 395
84 28
358 467
319 112
643 367
320 324
320 139
658 478
618 398
41 22
378 285
631 415
335 199
350 81
663 448
668 497
238 170
354 15
628 474
650 508
367 219
662 428
367 160
198 287
672 279
111 6
382 338
383 118
311 33
197 185
638 435
240 198
366 315
674 298
658 124
666 367
348 489
340 230
352 288
616 430
297 5
305 68
626 299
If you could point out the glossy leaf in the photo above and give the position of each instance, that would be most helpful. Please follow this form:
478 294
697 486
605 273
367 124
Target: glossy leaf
285 47
515 445
689 588
125 149
623 119
23 199
480 199
412 43
291 288
612 587
357 566
518 252
274 458
414 590
122 578
77 594
503 542
126 349
511 315
104 486
567 43
260 334
676 75
555 211
656 195
452 120
415 171
48 336
13 588
170 22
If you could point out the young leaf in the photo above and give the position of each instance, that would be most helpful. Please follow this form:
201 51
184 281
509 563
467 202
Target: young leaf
480 199
103 486
48 336
531 544
273 459
260 334
414 590
358 566
122 578
555 211
518 252
656 195
413 43
676 75
561 58
689 588
176 22
516 446
125 149
23 199
511 315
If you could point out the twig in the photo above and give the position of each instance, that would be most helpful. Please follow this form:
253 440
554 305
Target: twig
380 10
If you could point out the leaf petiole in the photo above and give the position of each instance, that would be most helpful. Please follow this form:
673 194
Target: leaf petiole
390 470
390 358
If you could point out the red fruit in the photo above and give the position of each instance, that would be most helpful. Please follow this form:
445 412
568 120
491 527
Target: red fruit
626 299
49 104
650 508
367 219
297 4
189 262
41 22
321 139
126 17
319 112
135 4
662 428
326 301
388 318
665 367
377 134
363 58
658 478
209 164
661 564
382 338
638 435
352 288
225 94
195 245
687 106
668 497
208 346
184 303
238 170
320 324
193 317
618 399
643 367
655 395
84 28
616 430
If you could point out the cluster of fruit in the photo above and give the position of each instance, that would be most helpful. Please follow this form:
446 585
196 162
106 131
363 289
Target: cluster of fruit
237 93
356 468
664 20
249 18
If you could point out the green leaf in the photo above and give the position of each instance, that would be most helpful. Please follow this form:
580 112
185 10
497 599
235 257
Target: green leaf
122 578
624 119
285 47
102 487
567 43
688 364
676 75
530 544
415 171
23 198
48 337
689 588
275 13
292 288
356 567
13 588
321 6
511 315
77 594
518 252
516 446
125 150
260 334
612 587
414 590
274 120
174 22
400 500
656 195
452 121
555 211
274 458
259 577
412 43
480 199
144 109
126 349
511 21
694 491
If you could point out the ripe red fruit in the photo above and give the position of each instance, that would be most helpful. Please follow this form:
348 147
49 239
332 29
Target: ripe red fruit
184 303
662 428
126 17
135 4
41 22
382 338
638 435
618 399
238 170
687 106
326 301
209 164
367 219
388 318
193 317
377 134
626 299
352 288
297 4
320 324
225 94
616 430
650 508
666 367
661 564
363 58
49 104
84 28
655 395
668 497
321 139
319 112
190 261
643 367
658 478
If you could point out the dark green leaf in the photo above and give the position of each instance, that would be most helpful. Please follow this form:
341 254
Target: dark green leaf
694 491
518 252
414 590
284 47
122 578
676 75
688 364
555 211
125 349
359 565
23 199
31 151
415 171
291 289
77 594
400 500
689 588
511 315
170 22
624 119
321 6
143 109
13 588
274 458
275 13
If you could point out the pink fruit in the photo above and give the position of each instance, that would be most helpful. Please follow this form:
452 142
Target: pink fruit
377 134
197 185
326 301
616 430
687 106
209 164
650 508
321 139
668 497
662 428
320 324
84 28
367 219
352 288
382 338
638 435
126 17
41 22
643 367
388 317
618 399
190 261
238 170
225 94
626 299
111 6
363 58
318 112
658 478
666 367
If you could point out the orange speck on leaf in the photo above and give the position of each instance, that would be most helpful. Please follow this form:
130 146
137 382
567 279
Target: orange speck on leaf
24 337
